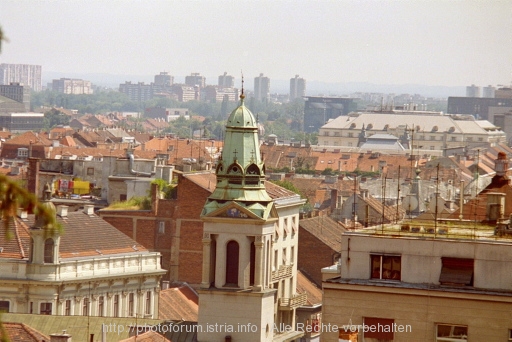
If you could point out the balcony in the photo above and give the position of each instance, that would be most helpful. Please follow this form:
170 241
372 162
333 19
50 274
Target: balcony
284 271
298 299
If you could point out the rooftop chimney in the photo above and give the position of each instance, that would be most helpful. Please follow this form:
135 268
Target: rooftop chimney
64 337
62 210
89 209
501 164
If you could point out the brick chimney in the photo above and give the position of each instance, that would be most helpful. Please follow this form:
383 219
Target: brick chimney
155 195
501 165
33 175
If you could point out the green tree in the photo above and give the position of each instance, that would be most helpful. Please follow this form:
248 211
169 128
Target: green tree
54 117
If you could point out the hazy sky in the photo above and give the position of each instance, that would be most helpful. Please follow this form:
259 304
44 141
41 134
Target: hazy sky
430 42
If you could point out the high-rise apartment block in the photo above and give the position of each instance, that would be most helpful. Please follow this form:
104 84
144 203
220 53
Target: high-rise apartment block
473 91
489 91
297 88
262 88
226 81
164 79
138 92
24 74
195 79
72 86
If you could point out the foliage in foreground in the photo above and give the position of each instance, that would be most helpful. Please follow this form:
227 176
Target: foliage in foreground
13 196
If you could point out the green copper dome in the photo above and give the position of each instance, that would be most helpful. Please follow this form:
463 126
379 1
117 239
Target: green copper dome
240 171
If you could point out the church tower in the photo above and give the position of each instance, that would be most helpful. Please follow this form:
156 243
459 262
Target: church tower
250 239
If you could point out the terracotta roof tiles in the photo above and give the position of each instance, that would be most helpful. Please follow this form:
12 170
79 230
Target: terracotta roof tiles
19 332
325 229
178 303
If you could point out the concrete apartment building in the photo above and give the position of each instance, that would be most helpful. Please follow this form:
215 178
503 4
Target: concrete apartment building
319 109
16 92
24 74
437 280
297 88
262 88
195 79
226 81
72 86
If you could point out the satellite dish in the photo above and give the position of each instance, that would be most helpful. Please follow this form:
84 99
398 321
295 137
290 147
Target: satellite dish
437 202
410 203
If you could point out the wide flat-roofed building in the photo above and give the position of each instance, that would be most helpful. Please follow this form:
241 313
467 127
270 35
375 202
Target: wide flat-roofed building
424 131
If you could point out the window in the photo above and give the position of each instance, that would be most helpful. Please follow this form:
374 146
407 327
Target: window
432 147
454 138
378 329
386 267
67 308
90 171
326 133
130 305
85 307
4 306
469 139
148 303
252 267
122 197
457 272
116 306
351 135
101 306
48 250
22 152
432 137
161 227
46 309
336 134
480 139
232 252
451 333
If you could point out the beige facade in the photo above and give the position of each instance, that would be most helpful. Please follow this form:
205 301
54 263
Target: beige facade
77 273
427 283
427 131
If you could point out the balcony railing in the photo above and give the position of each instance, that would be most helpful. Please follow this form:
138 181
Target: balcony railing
284 271
298 299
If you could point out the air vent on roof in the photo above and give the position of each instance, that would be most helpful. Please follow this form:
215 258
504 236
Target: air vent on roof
135 247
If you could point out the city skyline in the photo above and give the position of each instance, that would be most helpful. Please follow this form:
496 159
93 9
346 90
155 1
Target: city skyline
438 43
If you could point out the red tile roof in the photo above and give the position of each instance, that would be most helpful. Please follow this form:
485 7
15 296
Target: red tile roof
178 303
19 332
83 235
27 137
325 229
313 291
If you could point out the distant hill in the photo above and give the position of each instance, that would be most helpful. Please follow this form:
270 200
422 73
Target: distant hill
313 88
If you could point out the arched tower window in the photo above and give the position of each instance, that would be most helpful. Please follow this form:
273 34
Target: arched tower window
253 263
48 250
232 256
253 169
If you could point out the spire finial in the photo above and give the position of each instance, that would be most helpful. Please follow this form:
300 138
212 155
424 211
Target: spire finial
242 95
